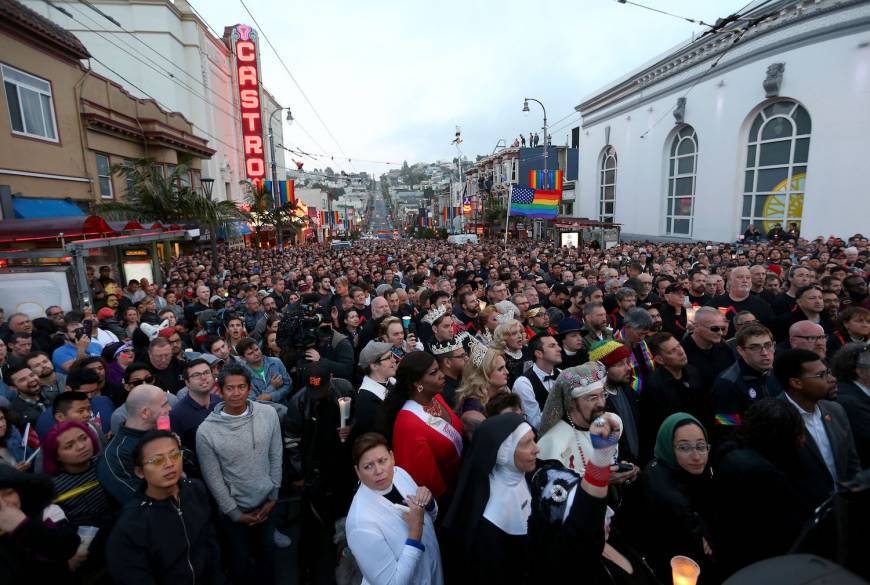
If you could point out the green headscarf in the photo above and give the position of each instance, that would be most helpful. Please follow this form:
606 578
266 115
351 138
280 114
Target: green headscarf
664 450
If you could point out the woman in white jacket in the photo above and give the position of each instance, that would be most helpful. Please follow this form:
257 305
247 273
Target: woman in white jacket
390 526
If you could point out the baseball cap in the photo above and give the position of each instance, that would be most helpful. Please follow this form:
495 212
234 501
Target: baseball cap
105 313
675 288
372 352
317 376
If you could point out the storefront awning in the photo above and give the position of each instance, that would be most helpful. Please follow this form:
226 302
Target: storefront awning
41 207
47 229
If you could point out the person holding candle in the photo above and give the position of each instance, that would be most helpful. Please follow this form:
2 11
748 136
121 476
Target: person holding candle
323 456
677 489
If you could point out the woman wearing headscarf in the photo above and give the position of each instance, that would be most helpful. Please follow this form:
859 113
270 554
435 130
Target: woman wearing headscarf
677 491
426 436
390 525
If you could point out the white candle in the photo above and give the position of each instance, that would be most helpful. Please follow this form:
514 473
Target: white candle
684 571
344 409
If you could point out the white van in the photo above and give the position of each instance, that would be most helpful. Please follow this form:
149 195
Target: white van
462 239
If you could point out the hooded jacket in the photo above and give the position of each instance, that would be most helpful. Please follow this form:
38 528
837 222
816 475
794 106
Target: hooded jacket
164 541
240 457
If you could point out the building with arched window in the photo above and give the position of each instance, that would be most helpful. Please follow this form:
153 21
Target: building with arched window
763 123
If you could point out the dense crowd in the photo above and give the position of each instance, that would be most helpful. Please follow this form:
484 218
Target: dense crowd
432 413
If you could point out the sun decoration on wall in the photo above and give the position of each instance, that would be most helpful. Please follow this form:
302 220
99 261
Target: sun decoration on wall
775 206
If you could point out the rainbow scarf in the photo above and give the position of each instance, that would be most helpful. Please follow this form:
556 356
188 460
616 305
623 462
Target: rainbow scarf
636 381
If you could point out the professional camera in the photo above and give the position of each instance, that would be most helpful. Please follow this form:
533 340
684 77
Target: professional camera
298 330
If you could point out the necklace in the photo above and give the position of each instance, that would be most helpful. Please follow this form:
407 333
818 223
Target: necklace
577 439
433 409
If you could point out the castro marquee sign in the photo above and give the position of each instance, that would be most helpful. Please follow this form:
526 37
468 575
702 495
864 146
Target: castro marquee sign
244 42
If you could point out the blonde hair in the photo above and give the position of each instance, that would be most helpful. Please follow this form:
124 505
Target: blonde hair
385 325
503 331
485 314
475 380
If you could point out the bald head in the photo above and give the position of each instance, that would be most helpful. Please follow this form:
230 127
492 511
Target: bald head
380 307
144 404
808 335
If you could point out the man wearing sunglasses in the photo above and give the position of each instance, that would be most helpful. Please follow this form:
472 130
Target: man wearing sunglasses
705 349
828 455
169 536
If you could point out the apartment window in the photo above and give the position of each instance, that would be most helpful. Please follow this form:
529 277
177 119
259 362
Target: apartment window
682 171
104 174
777 152
30 107
607 185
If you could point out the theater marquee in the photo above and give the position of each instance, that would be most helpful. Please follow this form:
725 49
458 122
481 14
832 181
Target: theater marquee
244 42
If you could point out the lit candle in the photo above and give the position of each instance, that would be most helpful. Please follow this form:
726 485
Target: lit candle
684 571
344 408
690 314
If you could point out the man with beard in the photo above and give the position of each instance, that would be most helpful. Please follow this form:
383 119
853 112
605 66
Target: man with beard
52 382
467 311
595 327
538 322
856 289
698 288
29 402
674 386
739 298
620 399
626 299
635 330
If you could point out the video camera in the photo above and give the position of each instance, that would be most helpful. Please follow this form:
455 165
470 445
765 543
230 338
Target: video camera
298 329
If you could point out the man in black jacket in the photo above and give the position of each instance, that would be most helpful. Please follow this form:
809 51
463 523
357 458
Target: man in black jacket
674 386
165 533
706 351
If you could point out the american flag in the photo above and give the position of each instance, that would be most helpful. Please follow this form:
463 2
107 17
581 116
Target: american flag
522 195
534 203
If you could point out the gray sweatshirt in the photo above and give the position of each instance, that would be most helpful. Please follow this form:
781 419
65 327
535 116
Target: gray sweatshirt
240 457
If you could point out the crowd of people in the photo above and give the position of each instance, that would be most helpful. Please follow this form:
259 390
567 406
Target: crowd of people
435 413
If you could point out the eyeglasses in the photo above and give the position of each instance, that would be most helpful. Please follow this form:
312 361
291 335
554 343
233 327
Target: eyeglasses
813 338
687 448
160 460
826 373
198 375
759 347
590 398
718 329
390 356
146 380
463 356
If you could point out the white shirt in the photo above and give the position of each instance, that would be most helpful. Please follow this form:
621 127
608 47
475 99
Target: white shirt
523 388
375 387
816 428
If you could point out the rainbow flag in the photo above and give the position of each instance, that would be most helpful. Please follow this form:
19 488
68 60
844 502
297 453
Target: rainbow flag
546 180
286 191
535 203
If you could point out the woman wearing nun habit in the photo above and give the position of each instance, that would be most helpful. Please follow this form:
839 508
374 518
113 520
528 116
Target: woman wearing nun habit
390 526
490 511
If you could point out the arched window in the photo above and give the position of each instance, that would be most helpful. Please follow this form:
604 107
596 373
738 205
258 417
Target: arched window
607 182
682 167
778 147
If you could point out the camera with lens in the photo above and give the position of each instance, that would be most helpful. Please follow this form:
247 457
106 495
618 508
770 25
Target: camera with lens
298 330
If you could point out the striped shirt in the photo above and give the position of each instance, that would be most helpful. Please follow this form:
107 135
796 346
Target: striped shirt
89 508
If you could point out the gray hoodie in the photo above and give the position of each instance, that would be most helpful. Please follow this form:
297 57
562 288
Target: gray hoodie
240 457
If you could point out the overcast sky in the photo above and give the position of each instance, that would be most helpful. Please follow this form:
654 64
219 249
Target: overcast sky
393 79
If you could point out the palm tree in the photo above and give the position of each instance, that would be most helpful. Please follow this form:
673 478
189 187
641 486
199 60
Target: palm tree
258 208
151 196
287 216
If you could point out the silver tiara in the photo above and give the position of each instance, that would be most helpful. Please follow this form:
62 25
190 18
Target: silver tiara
478 351
434 314
439 348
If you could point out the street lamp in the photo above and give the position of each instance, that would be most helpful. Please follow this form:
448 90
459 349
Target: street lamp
546 144
207 185
275 199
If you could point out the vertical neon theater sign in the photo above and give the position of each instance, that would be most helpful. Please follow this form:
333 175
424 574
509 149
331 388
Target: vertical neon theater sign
248 77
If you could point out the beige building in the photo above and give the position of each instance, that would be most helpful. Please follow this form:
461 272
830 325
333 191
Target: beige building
63 126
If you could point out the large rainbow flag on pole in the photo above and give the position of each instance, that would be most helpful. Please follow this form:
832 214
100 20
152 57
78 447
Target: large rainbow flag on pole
286 191
541 199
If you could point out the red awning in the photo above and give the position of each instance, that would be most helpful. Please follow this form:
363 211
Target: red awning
16 230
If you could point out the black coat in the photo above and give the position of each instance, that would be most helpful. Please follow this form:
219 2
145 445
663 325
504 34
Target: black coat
709 362
856 403
759 513
676 516
159 541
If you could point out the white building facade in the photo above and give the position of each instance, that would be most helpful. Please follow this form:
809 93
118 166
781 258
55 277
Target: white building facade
163 50
719 134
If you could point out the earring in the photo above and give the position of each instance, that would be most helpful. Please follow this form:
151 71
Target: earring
419 388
